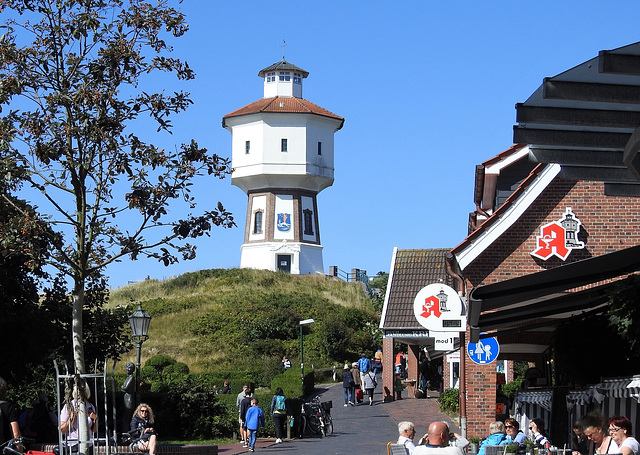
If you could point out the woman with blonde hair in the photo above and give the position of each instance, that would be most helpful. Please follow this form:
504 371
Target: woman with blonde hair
142 423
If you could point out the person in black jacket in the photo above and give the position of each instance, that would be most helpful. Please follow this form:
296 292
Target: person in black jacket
349 386
142 427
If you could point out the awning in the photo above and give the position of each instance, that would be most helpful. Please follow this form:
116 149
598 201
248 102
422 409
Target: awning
628 387
542 398
543 298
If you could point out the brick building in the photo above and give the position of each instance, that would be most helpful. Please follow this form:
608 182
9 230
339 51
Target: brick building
556 222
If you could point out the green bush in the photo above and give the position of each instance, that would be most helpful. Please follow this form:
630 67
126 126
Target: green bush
512 387
449 400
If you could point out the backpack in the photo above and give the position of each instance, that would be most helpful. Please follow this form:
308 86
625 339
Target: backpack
280 405
363 364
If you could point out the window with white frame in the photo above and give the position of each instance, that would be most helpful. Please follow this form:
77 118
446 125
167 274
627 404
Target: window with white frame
297 78
283 145
271 77
247 147
285 76
319 148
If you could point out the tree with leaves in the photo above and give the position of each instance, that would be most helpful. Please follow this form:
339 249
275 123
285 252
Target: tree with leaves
71 135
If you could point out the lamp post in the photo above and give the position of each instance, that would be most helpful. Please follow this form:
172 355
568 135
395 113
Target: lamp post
139 321
303 323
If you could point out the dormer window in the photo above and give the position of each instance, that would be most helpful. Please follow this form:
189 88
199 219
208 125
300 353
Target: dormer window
285 76
297 78
271 77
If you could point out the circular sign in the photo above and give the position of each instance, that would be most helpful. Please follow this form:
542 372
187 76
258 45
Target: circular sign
438 307
484 351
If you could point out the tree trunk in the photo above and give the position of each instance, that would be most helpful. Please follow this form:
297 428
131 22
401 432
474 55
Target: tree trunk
78 359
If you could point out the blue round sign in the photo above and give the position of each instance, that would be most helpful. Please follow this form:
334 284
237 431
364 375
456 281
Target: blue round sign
484 351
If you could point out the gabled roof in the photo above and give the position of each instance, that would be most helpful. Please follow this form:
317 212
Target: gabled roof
508 213
283 65
411 270
283 104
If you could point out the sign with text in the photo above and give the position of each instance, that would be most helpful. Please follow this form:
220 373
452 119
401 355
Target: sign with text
438 308
443 341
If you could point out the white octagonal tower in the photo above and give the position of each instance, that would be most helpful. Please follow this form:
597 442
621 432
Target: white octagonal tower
282 156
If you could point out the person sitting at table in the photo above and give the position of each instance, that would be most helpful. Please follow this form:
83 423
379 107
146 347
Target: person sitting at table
602 443
496 436
514 434
620 432
537 432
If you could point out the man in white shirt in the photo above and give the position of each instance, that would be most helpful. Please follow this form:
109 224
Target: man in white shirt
407 431
437 442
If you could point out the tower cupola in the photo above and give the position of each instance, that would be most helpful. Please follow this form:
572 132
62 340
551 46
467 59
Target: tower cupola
283 79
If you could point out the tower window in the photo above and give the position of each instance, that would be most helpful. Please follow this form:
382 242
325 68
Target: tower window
297 78
319 148
285 76
257 223
308 221
247 147
271 77
283 145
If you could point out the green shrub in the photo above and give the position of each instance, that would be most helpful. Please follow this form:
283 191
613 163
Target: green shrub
512 387
449 400
289 381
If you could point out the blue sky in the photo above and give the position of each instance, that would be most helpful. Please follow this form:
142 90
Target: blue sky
427 90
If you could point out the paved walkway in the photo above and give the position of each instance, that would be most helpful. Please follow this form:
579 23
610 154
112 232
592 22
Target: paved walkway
357 430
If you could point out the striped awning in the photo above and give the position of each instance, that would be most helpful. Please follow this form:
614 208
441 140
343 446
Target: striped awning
583 397
543 398
628 387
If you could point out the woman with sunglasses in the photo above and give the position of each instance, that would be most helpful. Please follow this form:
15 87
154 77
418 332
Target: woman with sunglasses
514 434
142 422
620 432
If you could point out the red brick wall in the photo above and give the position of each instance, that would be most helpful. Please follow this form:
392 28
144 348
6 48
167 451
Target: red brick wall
608 224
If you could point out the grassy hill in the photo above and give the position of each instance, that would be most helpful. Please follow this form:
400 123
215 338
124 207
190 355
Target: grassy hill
243 319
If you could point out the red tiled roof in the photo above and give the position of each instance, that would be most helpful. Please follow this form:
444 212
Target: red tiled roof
286 104
413 270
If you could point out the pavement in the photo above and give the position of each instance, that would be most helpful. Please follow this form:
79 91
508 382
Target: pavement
362 429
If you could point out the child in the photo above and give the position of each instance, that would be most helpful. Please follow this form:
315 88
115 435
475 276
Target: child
253 421
398 386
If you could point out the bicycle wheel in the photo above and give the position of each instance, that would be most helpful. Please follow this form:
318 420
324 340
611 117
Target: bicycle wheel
328 424
313 423
302 425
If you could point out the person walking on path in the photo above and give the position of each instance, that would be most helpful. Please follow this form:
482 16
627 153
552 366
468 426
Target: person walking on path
279 412
370 385
254 419
357 381
348 385
364 365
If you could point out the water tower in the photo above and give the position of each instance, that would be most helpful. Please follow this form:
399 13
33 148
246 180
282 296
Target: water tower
282 153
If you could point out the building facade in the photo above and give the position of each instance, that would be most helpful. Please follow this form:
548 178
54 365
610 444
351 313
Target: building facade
282 156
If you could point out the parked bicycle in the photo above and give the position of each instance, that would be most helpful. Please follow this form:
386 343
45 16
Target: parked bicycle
316 417
11 446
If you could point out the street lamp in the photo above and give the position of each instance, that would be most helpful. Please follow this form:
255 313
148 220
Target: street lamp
302 323
139 321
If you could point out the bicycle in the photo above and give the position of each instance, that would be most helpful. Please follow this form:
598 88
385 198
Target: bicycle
317 417
11 446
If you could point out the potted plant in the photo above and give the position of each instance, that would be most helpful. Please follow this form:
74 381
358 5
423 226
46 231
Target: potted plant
529 446
474 443
511 448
